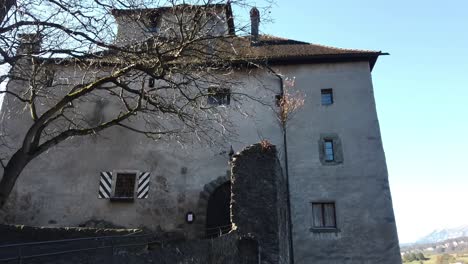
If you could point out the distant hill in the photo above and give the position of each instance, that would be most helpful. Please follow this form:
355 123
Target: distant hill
444 234
452 245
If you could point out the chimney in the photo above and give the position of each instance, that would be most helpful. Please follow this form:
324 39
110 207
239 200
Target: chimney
29 44
254 23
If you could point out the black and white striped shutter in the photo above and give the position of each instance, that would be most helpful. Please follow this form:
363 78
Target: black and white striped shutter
105 185
143 185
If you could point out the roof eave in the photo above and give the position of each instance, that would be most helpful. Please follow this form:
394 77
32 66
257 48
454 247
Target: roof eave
371 57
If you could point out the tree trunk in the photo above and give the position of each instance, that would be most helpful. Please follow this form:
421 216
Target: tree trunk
11 172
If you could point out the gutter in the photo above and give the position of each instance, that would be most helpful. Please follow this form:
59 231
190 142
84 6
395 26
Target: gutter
286 169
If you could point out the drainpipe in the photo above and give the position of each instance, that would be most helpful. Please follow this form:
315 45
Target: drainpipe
286 168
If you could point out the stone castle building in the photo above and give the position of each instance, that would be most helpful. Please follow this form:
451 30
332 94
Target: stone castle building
331 154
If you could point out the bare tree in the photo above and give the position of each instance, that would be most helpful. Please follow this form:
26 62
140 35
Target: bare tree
289 102
158 84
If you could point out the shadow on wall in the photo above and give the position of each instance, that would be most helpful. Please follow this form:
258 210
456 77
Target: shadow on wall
257 211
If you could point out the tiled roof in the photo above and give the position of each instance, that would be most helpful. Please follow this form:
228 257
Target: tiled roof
266 49
275 49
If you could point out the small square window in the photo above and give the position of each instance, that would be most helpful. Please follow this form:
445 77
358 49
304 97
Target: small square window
329 153
327 96
124 188
324 215
219 96
153 23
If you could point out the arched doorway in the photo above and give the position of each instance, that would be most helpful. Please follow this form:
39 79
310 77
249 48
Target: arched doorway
218 215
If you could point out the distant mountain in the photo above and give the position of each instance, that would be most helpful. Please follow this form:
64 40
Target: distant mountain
444 234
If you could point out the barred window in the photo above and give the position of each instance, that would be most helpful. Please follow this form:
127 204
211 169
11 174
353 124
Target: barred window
125 186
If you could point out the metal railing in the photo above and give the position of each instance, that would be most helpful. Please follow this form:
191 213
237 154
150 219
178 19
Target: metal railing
24 251
18 253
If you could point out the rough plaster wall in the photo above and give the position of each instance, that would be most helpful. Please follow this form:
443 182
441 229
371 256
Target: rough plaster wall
257 209
359 185
257 196
60 187
130 30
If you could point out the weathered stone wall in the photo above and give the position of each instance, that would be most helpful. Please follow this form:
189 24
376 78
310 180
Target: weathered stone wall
258 206
60 187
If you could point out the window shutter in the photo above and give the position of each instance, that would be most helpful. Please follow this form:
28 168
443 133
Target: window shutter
143 185
105 185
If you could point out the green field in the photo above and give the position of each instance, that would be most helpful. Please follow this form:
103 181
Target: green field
443 259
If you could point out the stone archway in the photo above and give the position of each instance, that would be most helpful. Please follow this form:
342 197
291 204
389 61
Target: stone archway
202 207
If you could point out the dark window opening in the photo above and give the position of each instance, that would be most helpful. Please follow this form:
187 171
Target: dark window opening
218 217
328 150
125 186
151 82
219 96
153 23
324 215
49 78
327 96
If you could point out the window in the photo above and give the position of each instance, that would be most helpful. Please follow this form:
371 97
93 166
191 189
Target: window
328 148
49 78
125 186
323 215
327 96
153 23
151 82
219 96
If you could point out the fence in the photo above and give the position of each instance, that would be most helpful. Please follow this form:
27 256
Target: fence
95 249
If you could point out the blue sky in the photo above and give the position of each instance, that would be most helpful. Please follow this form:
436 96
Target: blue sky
421 93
